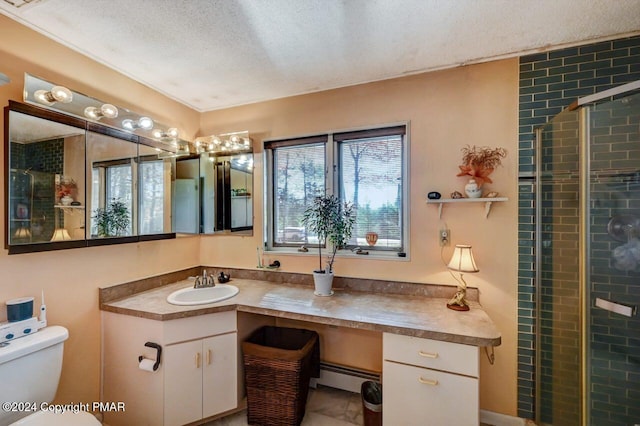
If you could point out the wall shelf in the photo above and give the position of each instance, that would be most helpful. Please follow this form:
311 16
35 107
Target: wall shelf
487 203
69 209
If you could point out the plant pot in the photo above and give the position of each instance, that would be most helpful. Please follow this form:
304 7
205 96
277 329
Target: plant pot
372 238
472 190
323 282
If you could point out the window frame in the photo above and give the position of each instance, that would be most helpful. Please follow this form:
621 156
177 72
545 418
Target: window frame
370 134
332 186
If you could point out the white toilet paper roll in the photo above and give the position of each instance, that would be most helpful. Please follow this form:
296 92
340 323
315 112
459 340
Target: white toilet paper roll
146 364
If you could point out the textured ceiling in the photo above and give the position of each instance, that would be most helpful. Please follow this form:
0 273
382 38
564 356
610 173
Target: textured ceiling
211 54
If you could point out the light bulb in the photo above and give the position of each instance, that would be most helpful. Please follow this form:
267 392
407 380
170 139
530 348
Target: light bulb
44 97
211 147
235 138
217 140
109 111
145 123
92 113
157 133
61 94
128 124
247 142
173 132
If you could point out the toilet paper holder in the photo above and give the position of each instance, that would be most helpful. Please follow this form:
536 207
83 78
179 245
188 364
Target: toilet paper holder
158 348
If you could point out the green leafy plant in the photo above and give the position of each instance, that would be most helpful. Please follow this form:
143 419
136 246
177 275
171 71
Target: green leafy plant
113 220
332 220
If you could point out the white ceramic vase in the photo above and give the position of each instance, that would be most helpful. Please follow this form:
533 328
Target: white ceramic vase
323 283
472 190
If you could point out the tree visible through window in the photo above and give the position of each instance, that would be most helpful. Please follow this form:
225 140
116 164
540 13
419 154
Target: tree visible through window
299 177
368 171
371 178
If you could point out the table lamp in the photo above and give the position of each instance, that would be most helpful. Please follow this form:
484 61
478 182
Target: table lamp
462 261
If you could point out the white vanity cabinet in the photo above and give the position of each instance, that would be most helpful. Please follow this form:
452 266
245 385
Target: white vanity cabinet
429 382
198 373
199 379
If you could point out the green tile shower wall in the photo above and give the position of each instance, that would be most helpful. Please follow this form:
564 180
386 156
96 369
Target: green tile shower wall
549 82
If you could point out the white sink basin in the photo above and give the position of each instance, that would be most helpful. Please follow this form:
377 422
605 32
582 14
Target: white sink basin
201 296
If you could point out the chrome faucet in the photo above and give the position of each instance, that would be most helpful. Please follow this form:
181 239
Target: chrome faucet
204 280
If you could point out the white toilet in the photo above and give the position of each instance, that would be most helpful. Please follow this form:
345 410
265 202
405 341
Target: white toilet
30 369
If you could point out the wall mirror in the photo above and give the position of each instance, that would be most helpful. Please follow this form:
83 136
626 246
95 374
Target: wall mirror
214 194
52 203
130 191
45 179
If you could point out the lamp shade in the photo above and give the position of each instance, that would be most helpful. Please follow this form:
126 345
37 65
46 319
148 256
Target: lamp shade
60 234
462 259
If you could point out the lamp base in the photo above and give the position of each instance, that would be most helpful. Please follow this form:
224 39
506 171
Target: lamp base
458 307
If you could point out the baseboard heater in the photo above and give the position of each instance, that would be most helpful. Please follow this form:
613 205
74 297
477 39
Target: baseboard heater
341 377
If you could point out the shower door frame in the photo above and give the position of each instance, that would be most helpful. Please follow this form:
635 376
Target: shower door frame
584 232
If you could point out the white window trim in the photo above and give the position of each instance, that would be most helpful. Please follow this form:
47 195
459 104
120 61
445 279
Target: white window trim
331 176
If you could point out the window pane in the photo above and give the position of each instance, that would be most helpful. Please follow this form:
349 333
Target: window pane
371 178
299 176
151 183
119 184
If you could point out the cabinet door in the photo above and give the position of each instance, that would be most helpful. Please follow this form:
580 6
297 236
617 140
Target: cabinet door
220 383
182 383
423 397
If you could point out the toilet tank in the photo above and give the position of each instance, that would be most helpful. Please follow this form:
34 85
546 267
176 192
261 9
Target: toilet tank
30 369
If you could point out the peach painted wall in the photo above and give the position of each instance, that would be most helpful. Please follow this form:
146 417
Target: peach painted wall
71 278
446 110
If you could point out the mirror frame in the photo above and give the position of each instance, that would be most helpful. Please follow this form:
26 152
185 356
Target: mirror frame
86 126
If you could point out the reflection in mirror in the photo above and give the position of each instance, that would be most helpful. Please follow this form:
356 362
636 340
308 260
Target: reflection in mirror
112 164
46 181
156 166
187 196
228 188
214 194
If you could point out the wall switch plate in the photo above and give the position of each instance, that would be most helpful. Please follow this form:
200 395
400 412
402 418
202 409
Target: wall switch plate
444 237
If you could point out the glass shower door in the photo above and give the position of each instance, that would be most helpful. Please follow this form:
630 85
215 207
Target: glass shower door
558 355
613 358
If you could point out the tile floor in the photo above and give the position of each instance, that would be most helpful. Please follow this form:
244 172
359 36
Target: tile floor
325 406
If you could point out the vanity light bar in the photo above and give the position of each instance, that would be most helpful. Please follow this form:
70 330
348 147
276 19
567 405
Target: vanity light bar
44 93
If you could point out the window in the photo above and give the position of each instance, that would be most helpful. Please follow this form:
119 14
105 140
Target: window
152 202
371 177
369 170
112 180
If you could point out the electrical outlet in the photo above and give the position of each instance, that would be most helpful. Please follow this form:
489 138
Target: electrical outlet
445 237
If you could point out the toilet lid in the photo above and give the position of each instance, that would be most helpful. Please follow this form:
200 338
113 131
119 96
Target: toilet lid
49 418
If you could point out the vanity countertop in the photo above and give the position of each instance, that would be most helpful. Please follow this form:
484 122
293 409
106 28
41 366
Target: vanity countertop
411 315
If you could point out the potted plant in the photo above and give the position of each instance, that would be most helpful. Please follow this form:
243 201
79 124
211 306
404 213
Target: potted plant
479 163
332 220
113 220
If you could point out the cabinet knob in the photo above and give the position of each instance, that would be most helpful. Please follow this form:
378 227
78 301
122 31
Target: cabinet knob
430 382
197 359
428 354
208 356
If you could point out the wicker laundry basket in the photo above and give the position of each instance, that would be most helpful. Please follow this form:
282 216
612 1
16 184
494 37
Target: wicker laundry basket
278 364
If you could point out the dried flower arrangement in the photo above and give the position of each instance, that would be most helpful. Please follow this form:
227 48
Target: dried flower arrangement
66 187
480 162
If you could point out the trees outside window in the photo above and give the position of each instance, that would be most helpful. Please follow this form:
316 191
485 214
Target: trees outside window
366 168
